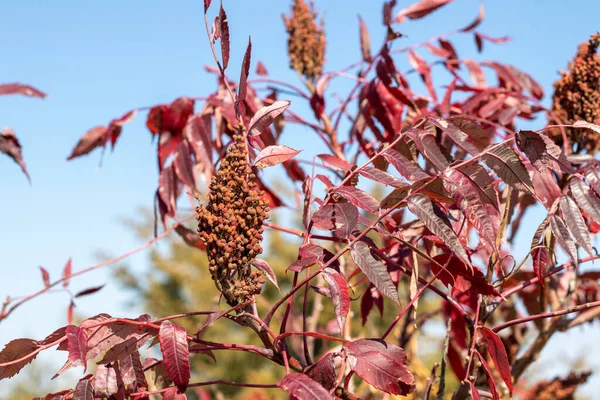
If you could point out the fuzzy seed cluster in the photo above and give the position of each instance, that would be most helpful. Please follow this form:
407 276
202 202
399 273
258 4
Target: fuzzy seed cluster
306 40
230 225
577 97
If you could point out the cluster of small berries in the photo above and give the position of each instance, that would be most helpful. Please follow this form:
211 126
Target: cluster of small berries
230 225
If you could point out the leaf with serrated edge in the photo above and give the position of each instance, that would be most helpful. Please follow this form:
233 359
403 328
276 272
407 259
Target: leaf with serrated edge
339 295
404 166
380 176
14 350
586 199
175 350
576 223
359 198
302 387
563 237
498 353
273 155
265 116
423 208
375 271
508 166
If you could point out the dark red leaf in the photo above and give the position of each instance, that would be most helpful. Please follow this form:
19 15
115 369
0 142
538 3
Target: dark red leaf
477 20
45 277
77 344
424 70
375 271
474 392
273 155
371 297
381 364
167 189
198 134
10 145
89 291
323 371
437 223
224 31
174 347
542 151
576 224
104 339
190 237
115 126
302 387
586 199
489 377
380 176
338 287
66 274
206 5
482 180
359 198
476 73
458 275
365 41
132 371
105 381
173 394
459 137
420 9
541 259
498 354
404 166
266 268
19 88
265 116
508 166
261 69
338 217
95 137
84 390
335 162
14 350
243 86
170 118
563 237
427 145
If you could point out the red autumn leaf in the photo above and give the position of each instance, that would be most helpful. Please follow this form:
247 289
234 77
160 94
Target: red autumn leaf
115 126
265 116
261 70
167 189
184 167
563 237
505 162
10 145
338 217
45 277
206 5
427 145
104 338
243 86
365 41
266 268
421 66
474 392
84 390
380 176
190 237
338 287
381 364
66 274
170 117
273 155
489 377
19 88
420 9
173 394
302 387
323 371
132 372
224 33
476 73
498 354
174 347
105 381
586 199
458 275
77 346
404 166
456 361
14 350
371 297
95 137
477 20
89 291
359 198
542 151
541 259
335 162
576 224
375 271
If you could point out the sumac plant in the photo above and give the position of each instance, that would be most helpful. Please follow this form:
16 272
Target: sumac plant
415 195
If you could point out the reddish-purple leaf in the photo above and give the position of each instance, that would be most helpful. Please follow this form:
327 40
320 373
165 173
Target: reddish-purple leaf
22 89
476 72
302 387
508 166
380 176
542 151
273 155
54 336
482 180
421 66
335 162
489 377
105 381
14 350
371 297
167 188
266 268
70 310
206 5
261 70
84 390
95 137
224 31
576 224
184 168
45 277
91 290
243 86
323 371
563 237
77 344
477 20
173 394
404 166
474 392
338 217
482 216
375 271
427 145
438 51
66 274
10 145
381 364
420 9
437 223
587 201
359 198
116 126
541 259
461 277
395 197
498 354
365 41
132 371
116 340
338 287
198 133
174 347
265 116
459 137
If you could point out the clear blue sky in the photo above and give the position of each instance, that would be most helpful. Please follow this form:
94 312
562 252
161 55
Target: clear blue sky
99 59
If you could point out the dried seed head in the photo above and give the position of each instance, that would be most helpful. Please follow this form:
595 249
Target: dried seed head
577 97
230 226
306 40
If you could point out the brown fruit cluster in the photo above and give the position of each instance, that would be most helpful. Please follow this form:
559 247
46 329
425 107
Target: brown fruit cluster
577 97
306 40
230 225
